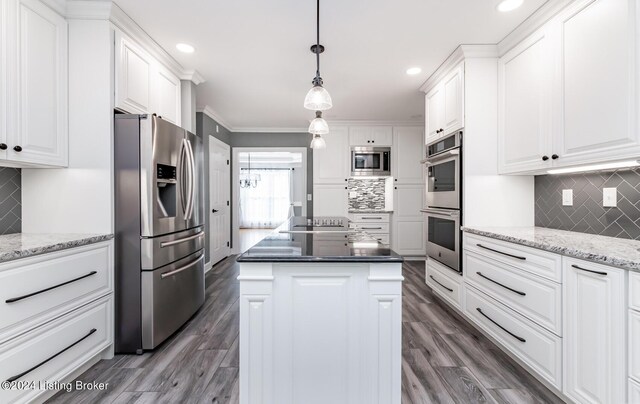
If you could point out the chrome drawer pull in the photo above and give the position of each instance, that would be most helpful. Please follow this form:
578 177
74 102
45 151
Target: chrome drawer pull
501 327
371 228
503 253
589 270
499 284
15 299
436 281
16 377
181 240
371 218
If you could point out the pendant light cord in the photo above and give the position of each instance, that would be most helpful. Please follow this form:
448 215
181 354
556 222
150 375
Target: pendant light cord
318 37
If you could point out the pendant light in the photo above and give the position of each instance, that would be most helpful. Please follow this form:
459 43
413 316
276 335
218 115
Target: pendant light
248 180
318 98
318 142
319 126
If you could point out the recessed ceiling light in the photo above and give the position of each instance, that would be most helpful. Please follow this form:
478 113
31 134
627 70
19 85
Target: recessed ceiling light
412 71
509 5
185 48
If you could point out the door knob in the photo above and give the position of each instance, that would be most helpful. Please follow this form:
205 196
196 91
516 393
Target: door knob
18 149
214 210
3 146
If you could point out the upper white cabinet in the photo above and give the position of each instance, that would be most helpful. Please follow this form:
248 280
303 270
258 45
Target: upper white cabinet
585 109
143 85
33 85
370 136
408 151
594 332
331 165
444 105
524 90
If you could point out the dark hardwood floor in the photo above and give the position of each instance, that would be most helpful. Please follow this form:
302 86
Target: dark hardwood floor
445 360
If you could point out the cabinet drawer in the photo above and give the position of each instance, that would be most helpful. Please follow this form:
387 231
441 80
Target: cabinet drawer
543 263
382 238
538 348
444 282
534 297
369 217
36 289
634 392
371 227
634 290
51 352
634 347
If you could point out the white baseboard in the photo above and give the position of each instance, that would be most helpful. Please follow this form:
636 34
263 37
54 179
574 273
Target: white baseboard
208 266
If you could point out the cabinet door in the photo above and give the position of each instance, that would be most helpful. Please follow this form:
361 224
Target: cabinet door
166 101
40 133
134 73
5 56
594 332
360 136
408 150
330 200
434 113
408 234
524 105
332 164
598 98
382 136
453 87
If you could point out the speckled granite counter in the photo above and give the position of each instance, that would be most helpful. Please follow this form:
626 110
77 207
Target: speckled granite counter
21 245
618 252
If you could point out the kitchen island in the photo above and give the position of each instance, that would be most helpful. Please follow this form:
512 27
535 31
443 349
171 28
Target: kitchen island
320 316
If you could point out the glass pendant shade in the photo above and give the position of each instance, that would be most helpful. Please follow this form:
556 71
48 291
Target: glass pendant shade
318 142
318 99
319 126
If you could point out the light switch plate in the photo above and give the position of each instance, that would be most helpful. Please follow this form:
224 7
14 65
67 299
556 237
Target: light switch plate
609 197
353 194
567 197
309 197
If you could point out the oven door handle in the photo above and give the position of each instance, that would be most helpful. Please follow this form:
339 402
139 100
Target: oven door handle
441 156
441 212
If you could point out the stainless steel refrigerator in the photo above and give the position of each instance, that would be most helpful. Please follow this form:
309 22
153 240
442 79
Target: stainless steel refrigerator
159 230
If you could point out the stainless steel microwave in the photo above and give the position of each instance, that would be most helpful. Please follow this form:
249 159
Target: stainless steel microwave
374 161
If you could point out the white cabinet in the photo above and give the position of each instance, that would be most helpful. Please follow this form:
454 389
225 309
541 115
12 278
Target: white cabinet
370 136
34 85
331 165
598 82
408 151
408 233
330 200
524 99
634 392
594 332
568 93
143 85
444 105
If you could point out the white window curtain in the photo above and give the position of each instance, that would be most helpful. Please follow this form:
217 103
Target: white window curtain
268 204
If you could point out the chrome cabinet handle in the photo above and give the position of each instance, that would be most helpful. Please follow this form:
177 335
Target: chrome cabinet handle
500 284
501 327
442 212
16 299
371 218
436 281
16 377
180 241
184 268
590 270
503 253
371 228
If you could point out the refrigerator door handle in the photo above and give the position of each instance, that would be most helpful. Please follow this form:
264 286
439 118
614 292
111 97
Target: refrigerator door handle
181 183
192 181
184 268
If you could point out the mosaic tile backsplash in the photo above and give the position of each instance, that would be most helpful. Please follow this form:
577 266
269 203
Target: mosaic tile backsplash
10 201
369 194
587 215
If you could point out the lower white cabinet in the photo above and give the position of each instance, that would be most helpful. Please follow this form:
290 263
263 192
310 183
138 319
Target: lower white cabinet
634 392
375 224
594 332
634 344
330 200
444 282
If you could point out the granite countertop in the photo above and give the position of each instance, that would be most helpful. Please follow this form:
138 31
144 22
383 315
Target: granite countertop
22 245
292 242
618 252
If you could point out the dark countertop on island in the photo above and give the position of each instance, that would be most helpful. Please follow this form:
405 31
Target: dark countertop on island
22 245
333 242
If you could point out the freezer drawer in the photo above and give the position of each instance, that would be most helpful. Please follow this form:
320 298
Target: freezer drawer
170 296
159 251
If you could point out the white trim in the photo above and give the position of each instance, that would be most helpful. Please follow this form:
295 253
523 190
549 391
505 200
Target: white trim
127 25
211 113
215 141
455 58
193 76
235 178
269 130
338 122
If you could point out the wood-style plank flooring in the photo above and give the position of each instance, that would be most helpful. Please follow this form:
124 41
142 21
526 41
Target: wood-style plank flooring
445 360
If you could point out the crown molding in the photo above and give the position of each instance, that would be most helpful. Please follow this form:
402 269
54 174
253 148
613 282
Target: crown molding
456 57
126 24
81 9
269 130
355 122
531 24
211 113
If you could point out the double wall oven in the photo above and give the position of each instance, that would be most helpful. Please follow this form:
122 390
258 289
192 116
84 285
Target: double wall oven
444 200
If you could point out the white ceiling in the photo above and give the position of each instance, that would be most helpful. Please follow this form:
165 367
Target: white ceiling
255 57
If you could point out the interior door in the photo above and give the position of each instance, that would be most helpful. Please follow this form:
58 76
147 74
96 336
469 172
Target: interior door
219 188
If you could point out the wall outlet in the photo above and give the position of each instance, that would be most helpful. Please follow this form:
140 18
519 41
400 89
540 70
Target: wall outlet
567 197
609 197
217 129
353 194
309 197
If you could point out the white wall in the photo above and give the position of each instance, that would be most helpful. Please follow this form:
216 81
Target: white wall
79 199
489 199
